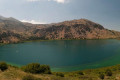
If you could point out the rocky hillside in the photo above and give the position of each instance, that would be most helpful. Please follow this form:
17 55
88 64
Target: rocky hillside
76 29
12 30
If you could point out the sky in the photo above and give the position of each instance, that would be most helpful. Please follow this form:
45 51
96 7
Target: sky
104 12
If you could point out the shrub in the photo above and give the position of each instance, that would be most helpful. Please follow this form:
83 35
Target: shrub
101 76
60 74
30 77
108 72
3 66
32 68
36 68
45 69
80 73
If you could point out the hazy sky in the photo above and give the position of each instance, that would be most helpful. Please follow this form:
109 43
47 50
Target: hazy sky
105 12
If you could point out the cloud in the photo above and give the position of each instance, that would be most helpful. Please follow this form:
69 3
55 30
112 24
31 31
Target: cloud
58 1
33 0
33 21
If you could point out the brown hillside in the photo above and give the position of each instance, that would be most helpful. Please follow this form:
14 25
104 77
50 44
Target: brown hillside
12 30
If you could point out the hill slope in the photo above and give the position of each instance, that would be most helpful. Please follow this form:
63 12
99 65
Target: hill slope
76 29
12 30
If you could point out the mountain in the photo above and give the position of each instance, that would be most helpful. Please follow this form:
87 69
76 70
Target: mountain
13 30
76 29
1 17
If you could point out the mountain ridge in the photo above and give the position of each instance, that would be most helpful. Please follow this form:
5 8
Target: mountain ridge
13 30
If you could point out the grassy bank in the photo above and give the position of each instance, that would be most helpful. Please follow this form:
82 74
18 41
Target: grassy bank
106 73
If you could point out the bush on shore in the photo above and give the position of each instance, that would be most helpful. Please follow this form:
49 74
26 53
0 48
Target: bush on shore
3 66
45 69
36 68
60 74
80 73
108 72
101 76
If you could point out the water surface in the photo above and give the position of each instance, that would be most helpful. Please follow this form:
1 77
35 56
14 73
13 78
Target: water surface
64 55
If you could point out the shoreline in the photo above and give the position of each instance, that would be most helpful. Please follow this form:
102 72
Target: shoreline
54 40
59 69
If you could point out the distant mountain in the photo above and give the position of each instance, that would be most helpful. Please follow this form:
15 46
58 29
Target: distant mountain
13 30
1 17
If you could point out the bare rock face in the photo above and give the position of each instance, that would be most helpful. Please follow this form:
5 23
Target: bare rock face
13 31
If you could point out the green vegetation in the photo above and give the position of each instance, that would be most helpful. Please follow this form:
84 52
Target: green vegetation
3 66
108 72
101 76
30 77
45 69
35 71
36 68
80 73
60 74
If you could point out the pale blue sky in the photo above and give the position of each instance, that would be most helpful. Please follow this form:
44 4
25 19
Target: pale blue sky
105 12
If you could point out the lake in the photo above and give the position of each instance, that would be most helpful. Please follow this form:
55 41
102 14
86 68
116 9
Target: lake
64 55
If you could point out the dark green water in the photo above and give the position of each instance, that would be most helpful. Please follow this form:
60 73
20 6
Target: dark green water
66 55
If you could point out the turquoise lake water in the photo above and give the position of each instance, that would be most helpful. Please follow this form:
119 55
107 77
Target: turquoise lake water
64 55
